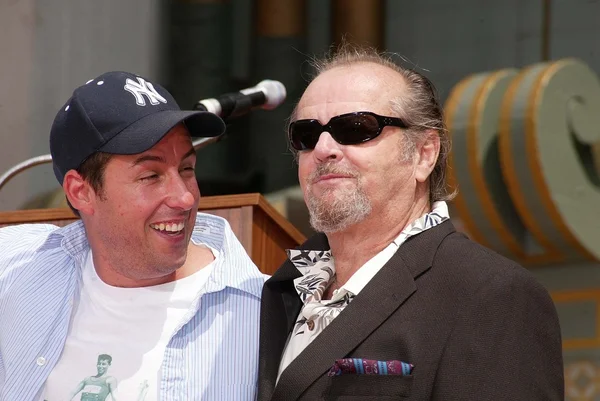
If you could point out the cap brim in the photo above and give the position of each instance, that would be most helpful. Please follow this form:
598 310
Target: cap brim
148 131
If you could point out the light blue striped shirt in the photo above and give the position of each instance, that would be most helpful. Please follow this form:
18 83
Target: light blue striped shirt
214 356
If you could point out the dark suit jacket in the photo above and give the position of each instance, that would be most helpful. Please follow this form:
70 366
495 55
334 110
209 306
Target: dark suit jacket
476 327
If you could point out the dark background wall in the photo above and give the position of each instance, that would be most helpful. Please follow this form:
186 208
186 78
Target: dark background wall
203 48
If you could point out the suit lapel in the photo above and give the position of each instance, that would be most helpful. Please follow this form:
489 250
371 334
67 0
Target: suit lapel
388 290
279 309
381 297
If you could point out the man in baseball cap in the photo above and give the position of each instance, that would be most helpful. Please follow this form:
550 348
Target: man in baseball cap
167 292
119 113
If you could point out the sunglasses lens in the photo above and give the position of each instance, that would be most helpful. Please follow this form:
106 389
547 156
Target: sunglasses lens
348 129
355 128
304 134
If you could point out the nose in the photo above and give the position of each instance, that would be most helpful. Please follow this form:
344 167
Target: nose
327 148
180 194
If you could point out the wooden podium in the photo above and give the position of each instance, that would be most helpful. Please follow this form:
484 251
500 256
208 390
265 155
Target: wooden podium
262 230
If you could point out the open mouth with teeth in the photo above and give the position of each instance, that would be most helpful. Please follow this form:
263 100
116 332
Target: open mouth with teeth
169 228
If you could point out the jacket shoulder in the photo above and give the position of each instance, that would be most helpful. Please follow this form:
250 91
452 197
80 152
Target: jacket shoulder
469 264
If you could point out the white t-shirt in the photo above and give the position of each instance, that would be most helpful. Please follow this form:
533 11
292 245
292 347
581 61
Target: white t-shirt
118 336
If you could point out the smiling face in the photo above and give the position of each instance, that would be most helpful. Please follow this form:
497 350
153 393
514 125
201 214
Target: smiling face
140 224
102 366
345 184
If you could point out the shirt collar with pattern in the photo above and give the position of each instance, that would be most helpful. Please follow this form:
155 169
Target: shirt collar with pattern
318 267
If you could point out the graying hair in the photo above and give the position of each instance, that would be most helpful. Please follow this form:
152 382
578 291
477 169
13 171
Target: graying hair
418 106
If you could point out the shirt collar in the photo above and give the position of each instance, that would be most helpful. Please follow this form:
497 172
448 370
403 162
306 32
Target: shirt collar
71 238
235 269
362 276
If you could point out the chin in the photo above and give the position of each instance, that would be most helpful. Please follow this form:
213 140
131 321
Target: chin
177 261
173 264
165 263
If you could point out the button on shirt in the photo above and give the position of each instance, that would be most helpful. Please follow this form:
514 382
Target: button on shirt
318 273
213 355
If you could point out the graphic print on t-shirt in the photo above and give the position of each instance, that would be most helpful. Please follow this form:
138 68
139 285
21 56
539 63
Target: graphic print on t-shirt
102 386
118 338
98 387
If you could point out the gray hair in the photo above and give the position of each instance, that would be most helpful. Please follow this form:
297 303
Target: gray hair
419 107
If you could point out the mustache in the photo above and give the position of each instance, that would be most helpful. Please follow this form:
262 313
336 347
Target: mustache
331 168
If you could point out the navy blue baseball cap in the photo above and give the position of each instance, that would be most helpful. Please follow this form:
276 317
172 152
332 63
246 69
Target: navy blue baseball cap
119 113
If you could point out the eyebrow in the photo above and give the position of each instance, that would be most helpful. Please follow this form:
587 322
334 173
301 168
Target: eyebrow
160 159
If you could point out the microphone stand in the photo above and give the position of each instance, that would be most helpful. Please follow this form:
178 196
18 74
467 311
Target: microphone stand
37 160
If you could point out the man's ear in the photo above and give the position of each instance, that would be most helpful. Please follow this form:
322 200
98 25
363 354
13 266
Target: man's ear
428 153
79 192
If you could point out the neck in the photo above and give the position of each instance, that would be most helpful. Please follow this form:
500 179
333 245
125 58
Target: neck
197 258
353 247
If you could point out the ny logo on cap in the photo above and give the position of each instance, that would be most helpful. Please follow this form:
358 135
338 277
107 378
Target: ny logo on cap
142 88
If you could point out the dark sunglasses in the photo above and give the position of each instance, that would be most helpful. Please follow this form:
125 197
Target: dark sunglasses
346 129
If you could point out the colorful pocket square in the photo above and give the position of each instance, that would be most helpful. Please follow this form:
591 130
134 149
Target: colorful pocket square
359 366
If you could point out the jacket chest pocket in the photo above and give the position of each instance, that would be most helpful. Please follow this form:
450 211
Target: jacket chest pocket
368 387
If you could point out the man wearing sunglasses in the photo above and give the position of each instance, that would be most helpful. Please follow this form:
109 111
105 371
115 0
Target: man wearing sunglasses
389 301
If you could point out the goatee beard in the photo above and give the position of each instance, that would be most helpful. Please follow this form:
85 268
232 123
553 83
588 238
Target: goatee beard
336 209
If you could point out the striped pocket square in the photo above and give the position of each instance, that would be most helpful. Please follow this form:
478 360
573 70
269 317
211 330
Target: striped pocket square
359 366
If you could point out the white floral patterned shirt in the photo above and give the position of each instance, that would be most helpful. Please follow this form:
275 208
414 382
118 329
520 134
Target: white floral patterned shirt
318 273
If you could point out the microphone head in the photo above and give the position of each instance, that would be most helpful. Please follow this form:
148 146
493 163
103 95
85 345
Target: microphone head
274 93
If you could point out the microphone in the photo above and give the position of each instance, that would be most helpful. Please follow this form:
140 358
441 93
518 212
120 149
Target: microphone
267 95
